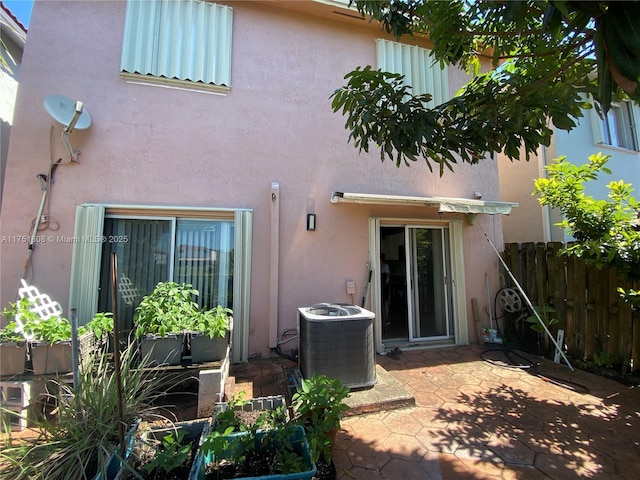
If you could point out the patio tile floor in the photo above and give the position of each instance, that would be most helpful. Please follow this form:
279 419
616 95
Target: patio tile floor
461 417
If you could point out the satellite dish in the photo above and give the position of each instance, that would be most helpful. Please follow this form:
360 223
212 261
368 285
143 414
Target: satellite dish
64 109
69 113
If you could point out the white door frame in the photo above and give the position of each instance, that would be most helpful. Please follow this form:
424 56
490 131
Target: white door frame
459 294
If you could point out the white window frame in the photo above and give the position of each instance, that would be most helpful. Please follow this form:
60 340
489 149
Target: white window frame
604 128
185 43
86 259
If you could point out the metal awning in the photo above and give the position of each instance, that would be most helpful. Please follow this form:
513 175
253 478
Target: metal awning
444 204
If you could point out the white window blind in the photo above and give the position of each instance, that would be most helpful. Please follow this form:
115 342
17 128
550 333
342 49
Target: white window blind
186 40
417 67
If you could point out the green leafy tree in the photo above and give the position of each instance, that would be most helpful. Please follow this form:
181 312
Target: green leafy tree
606 232
547 58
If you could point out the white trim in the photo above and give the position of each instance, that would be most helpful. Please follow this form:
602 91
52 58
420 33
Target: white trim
184 85
444 204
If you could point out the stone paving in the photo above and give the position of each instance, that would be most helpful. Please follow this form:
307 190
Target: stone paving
478 419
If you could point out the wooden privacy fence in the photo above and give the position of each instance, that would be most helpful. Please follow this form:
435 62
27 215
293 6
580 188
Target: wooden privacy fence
595 319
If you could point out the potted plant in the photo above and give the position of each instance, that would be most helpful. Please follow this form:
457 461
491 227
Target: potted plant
50 339
161 320
51 344
210 334
164 317
267 447
239 413
51 350
13 340
319 405
99 328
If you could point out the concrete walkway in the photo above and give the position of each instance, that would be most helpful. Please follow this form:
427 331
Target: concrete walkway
476 418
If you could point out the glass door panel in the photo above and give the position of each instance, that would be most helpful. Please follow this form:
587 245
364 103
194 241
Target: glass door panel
143 249
204 258
428 288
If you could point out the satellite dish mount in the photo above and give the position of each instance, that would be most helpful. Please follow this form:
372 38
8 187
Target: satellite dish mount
72 115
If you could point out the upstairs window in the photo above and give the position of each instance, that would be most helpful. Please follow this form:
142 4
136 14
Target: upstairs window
178 41
417 67
618 128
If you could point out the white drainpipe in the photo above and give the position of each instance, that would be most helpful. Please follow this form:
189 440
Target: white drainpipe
273 273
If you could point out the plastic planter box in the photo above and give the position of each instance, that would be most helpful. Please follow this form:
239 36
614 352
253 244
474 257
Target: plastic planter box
299 443
260 403
12 358
165 350
50 358
206 349
54 358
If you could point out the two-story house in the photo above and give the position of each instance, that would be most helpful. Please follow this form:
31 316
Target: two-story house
209 154
617 135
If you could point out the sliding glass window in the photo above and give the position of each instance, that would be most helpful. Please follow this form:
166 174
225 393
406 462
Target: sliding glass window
199 252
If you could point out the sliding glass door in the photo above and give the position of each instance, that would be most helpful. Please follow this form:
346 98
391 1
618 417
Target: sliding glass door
429 283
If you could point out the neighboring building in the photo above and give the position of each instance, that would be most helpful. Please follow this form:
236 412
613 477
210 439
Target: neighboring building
213 157
617 135
14 36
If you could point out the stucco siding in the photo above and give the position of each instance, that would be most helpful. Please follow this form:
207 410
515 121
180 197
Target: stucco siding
160 146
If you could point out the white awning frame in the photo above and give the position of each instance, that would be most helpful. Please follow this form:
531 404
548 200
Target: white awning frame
444 204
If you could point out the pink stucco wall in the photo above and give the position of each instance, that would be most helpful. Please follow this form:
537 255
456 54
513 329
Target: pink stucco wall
517 184
158 146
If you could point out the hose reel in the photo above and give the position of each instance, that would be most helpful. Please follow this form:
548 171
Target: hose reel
510 300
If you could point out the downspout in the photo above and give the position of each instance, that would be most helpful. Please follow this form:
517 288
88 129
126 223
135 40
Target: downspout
273 273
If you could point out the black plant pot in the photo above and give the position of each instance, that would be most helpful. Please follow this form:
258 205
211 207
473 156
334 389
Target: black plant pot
325 471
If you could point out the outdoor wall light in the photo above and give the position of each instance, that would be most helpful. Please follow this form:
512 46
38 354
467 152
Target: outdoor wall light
311 222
